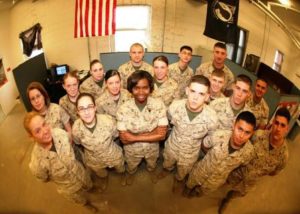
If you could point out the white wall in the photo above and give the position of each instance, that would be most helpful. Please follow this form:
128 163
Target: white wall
174 23
8 91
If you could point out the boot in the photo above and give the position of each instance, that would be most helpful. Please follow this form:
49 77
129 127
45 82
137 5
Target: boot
91 207
187 192
224 203
129 179
103 184
177 185
153 176
164 173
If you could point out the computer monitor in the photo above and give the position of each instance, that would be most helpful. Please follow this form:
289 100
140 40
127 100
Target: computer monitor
61 70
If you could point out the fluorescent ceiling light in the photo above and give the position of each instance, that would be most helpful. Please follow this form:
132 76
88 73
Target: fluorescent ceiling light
285 2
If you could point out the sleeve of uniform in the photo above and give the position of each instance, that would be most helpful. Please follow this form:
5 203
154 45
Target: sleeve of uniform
113 126
162 115
170 111
283 163
64 116
99 106
121 118
213 124
265 119
75 132
40 172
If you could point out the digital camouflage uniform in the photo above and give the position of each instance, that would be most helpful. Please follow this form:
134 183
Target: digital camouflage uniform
225 113
100 151
181 77
127 69
207 68
184 143
267 160
106 105
91 87
168 91
61 167
69 107
260 111
211 172
211 98
131 119
56 116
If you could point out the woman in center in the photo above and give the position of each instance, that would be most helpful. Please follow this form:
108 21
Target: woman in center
142 122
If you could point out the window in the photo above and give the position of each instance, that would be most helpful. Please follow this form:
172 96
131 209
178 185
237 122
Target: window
236 51
132 25
278 61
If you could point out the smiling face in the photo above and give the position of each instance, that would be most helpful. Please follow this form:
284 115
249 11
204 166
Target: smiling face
197 94
86 110
242 132
160 70
260 88
113 85
141 91
97 72
37 100
216 84
71 86
39 130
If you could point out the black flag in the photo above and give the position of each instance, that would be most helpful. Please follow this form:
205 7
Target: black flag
221 20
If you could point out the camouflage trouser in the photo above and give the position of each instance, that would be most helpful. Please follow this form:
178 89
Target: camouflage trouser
102 172
206 188
135 153
170 159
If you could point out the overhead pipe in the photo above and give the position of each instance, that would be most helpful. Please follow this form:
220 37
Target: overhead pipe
277 20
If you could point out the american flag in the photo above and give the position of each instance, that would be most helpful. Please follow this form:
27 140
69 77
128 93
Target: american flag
95 18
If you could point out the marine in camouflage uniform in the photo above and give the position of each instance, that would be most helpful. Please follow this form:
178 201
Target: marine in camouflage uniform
100 151
130 118
91 87
181 77
167 91
61 167
69 107
211 172
260 110
207 68
106 105
225 112
127 69
56 116
268 160
184 143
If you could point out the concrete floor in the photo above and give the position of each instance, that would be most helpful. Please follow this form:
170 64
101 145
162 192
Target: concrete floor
20 192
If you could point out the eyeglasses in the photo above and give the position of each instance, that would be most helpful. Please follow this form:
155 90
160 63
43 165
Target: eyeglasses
82 109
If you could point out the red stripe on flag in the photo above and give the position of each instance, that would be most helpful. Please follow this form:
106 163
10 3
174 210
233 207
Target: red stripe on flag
86 18
93 18
76 22
100 18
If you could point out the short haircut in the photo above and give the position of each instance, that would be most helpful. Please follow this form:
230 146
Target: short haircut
38 86
248 117
244 78
161 58
138 75
136 45
283 112
71 74
218 73
220 45
27 119
93 62
199 79
262 79
110 73
186 47
85 95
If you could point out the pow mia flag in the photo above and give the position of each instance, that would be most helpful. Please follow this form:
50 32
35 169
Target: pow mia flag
221 20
